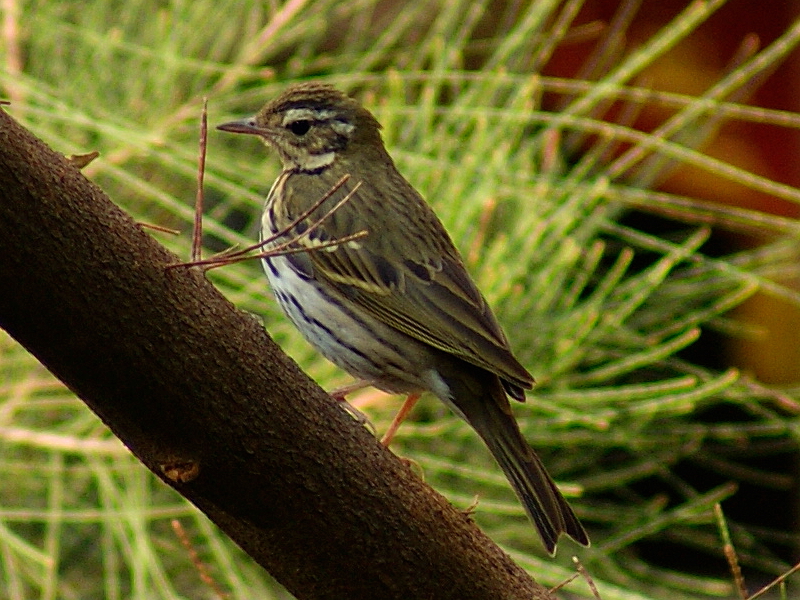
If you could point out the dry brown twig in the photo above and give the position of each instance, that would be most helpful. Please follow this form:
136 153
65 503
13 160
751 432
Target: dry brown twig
730 552
197 232
580 570
202 569
777 581
733 562
292 246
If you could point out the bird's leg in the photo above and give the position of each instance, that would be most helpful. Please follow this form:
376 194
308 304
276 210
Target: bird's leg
401 415
340 395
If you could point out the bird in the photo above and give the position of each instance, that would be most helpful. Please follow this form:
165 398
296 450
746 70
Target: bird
395 307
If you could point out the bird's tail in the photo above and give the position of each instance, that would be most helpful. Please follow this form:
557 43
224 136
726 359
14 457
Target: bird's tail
547 508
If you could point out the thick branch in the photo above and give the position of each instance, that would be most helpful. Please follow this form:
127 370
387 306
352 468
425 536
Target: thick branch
204 398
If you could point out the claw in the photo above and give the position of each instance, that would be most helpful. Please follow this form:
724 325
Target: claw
359 416
339 394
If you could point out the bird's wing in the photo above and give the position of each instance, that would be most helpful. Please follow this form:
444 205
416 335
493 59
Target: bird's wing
406 273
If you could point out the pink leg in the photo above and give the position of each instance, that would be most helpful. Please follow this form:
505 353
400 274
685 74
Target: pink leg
401 415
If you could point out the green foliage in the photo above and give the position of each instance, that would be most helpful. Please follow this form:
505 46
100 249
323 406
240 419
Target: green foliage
599 310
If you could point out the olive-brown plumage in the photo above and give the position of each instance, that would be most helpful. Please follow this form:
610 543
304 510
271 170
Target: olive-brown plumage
396 307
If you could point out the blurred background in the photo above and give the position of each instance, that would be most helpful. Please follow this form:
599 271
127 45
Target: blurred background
656 304
691 67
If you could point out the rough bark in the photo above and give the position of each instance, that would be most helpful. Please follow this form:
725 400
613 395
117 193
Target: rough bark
202 396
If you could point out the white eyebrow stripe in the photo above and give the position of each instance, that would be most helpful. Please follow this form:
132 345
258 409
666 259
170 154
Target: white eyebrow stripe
306 114
342 127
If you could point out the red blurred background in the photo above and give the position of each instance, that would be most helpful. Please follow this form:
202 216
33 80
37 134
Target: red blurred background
696 63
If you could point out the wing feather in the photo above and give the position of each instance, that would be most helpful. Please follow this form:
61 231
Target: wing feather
418 285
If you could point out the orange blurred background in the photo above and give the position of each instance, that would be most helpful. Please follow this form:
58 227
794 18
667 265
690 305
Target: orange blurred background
696 63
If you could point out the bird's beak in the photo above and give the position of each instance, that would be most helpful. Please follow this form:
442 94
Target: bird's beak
247 125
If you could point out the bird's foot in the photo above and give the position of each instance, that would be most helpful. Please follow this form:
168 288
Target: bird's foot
340 395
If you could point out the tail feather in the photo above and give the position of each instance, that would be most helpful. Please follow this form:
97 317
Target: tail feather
490 415
541 498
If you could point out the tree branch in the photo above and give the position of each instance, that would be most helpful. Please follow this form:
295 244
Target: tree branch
201 395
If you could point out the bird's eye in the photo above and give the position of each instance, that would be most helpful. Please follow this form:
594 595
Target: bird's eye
300 127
